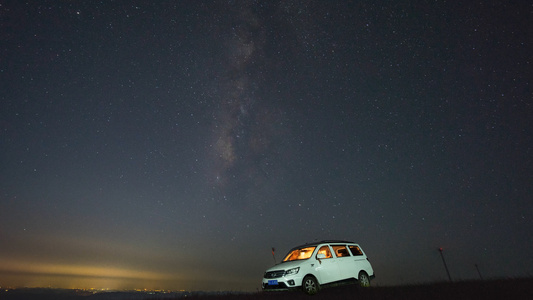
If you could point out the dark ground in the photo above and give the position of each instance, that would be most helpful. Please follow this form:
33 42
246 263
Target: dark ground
486 290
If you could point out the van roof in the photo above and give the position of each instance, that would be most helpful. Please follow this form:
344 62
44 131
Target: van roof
323 242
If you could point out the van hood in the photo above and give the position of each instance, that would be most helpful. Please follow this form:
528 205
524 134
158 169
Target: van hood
287 265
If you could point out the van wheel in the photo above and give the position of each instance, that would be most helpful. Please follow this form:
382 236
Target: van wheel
310 285
364 280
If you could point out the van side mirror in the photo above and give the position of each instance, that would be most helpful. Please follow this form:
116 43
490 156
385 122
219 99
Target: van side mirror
320 256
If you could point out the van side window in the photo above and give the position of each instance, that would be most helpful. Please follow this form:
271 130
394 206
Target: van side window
356 250
325 250
340 251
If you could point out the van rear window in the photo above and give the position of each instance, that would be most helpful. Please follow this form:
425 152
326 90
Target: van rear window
356 250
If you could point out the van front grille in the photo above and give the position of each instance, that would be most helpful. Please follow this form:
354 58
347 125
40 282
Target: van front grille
274 274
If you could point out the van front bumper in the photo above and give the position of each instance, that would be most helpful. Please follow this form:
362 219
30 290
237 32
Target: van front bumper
282 283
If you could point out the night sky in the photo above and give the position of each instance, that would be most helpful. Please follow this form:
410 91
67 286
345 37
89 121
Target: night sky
172 144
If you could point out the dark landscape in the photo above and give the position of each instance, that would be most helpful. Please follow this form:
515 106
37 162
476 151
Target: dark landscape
489 289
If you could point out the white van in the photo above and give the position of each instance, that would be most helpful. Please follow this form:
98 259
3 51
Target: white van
313 265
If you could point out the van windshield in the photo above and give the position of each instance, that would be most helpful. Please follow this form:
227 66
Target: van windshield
299 254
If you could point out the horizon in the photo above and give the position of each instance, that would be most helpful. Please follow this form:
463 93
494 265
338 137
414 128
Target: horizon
142 290
121 284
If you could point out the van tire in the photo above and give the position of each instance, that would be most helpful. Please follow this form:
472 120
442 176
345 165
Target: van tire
310 285
363 279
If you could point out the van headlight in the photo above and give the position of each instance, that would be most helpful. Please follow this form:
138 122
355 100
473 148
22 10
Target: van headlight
292 271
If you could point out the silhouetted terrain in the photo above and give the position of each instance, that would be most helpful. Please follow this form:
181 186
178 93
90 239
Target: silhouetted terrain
486 290
493 289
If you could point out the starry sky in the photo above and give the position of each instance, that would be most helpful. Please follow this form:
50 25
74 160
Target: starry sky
172 144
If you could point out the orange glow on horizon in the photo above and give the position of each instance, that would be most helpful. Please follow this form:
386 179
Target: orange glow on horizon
78 270
35 274
28 273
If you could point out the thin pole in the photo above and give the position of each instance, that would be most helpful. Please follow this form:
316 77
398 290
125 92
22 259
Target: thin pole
445 266
481 277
